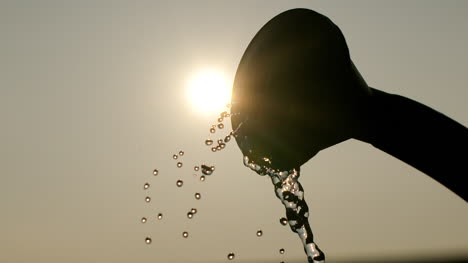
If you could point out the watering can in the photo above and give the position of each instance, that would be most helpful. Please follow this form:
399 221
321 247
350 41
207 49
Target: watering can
297 92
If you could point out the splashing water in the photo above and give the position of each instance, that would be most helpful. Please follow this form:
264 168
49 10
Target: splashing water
290 192
221 143
287 189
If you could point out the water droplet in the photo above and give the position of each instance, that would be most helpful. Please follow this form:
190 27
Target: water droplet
209 142
179 164
148 240
193 210
196 168
246 160
281 251
147 199
160 216
222 145
179 183
189 215
283 221
143 219
202 178
220 141
213 149
218 148
212 130
175 156
223 114
220 119
181 153
227 138
146 186
155 172
207 170
220 126
197 196
259 233
185 234
231 256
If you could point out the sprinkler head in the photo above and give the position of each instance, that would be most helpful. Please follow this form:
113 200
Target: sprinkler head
296 91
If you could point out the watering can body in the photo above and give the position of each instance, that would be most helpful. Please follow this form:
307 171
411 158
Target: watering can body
297 92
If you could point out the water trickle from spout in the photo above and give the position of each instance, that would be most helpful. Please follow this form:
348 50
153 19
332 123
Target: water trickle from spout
291 193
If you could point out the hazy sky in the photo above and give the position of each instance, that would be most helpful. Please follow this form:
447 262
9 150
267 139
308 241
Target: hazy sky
93 98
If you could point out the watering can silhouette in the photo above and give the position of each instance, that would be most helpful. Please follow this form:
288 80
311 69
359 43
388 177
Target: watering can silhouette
297 92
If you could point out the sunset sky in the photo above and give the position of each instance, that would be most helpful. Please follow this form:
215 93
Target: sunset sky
95 95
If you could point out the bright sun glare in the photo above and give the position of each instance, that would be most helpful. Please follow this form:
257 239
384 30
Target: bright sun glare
209 91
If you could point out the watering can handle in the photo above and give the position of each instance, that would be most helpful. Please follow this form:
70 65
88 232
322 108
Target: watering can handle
419 136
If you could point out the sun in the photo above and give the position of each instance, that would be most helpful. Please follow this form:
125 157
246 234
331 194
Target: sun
209 91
